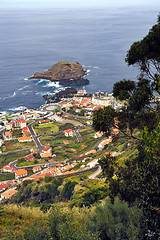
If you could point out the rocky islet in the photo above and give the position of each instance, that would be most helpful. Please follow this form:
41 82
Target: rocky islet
65 73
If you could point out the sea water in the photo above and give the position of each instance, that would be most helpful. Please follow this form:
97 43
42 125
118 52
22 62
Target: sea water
33 40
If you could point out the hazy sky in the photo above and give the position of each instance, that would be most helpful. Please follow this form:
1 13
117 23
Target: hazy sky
76 3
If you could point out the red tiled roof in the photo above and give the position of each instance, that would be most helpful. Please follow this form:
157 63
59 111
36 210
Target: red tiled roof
67 130
45 120
25 114
22 120
68 167
45 149
29 157
26 133
3 186
20 172
25 129
10 123
58 164
7 167
24 138
8 134
37 167
37 177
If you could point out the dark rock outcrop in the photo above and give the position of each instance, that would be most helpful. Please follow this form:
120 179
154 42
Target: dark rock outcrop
66 93
66 73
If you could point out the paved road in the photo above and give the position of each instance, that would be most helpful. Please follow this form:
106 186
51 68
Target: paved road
78 135
35 138
94 175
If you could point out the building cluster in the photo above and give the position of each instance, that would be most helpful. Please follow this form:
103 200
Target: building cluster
91 104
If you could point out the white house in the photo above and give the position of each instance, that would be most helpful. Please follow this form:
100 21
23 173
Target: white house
68 132
92 163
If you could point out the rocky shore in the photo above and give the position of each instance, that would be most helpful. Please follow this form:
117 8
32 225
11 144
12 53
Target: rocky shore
65 73
66 93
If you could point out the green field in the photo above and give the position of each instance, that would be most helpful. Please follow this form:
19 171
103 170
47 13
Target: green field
45 128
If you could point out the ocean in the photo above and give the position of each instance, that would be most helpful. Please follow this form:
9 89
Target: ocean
34 40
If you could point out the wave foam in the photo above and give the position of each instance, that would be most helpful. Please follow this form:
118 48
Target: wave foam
14 94
20 89
96 67
18 108
53 84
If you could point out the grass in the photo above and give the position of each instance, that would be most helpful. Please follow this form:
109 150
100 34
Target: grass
29 163
6 176
46 128
66 126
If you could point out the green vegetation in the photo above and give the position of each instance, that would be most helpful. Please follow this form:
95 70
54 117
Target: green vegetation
124 205
16 133
12 156
22 162
107 221
66 126
6 176
41 129
14 145
67 147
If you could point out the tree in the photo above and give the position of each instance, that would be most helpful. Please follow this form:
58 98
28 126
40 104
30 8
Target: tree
108 165
137 109
68 190
123 89
139 180
117 221
103 119
146 54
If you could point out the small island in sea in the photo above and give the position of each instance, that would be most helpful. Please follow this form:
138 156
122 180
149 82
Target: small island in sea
65 73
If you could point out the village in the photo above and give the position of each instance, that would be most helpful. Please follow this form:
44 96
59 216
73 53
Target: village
55 140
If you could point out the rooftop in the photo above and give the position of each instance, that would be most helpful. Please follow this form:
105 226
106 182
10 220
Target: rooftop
20 172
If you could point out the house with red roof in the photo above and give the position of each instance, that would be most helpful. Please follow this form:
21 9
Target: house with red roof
7 168
28 116
68 132
7 135
115 131
9 126
3 186
76 103
92 163
8 193
104 142
20 123
37 177
36 169
25 139
29 157
98 134
26 131
44 121
67 167
20 173
53 170
85 102
46 152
